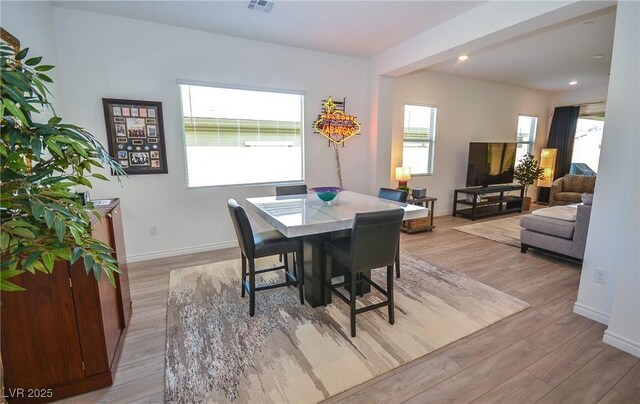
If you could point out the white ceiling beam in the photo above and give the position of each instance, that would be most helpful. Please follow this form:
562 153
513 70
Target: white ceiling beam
486 25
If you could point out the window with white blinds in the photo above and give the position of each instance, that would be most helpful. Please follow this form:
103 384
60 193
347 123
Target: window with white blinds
418 150
525 135
235 136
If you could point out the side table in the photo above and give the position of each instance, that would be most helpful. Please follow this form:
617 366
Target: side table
543 195
422 224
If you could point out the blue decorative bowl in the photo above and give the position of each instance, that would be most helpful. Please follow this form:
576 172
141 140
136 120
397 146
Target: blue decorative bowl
326 194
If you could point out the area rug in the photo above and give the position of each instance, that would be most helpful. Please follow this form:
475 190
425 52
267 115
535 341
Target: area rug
297 354
505 231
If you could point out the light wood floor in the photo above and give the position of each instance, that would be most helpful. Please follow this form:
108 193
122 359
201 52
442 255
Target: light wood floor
544 354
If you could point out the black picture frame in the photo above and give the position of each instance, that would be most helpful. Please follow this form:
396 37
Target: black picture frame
130 124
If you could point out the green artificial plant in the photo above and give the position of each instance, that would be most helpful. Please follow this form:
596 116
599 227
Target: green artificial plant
528 171
43 219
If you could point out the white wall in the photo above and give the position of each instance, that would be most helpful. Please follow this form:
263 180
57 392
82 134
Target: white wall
110 57
612 243
468 111
592 100
32 23
579 96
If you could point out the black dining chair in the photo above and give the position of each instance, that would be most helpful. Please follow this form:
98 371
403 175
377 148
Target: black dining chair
373 244
397 195
264 244
391 194
282 190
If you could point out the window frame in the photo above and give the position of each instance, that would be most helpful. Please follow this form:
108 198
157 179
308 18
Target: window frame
588 117
532 143
302 94
432 142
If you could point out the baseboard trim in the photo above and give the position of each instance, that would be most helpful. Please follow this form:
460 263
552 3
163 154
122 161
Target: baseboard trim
622 343
591 313
181 251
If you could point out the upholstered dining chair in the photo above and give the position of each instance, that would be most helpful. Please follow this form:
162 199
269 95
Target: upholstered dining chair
282 190
264 244
391 194
373 244
397 195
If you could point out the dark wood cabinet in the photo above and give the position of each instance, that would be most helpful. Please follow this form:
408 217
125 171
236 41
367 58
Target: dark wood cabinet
65 332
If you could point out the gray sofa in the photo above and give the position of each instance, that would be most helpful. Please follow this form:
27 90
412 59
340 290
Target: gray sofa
555 235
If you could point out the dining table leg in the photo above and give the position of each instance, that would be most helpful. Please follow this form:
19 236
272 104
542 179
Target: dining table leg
315 278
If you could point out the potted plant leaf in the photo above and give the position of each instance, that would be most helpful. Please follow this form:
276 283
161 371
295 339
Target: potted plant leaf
526 173
42 164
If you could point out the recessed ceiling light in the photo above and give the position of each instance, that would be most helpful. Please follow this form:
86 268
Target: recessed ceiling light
588 22
462 58
597 56
260 5
573 83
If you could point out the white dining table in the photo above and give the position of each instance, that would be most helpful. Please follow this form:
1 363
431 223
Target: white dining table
307 217
303 215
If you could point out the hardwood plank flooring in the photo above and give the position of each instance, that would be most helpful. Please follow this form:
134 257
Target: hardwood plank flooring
629 386
543 354
521 388
570 356
471 383
615 398
594 380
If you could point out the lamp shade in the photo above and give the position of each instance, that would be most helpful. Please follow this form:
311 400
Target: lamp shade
547 163
403 174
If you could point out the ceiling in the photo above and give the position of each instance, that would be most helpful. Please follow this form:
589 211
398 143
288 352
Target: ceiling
352 28
546 60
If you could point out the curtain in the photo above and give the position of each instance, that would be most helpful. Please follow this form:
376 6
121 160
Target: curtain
561 137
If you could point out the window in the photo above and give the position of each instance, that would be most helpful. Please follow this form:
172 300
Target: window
241 136
526 135
419 138
586 146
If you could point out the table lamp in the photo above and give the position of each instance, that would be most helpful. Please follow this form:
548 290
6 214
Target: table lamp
403 175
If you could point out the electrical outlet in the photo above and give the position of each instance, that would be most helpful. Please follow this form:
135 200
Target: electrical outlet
153 230
600 276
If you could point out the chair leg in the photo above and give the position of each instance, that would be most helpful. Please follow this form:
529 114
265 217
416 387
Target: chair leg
252 288
244 274
286 267
300 273
390 294
352 305
524 248
398 260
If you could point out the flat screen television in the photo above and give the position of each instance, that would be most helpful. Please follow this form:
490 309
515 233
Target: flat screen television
490 163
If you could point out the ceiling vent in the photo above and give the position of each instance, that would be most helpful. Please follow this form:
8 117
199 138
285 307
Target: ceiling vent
260 5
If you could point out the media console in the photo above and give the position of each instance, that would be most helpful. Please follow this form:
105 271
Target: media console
487 201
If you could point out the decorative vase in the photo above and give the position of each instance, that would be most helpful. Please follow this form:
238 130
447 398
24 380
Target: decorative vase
326 194
526 203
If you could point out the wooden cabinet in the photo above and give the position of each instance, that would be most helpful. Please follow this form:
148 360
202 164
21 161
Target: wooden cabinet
65 332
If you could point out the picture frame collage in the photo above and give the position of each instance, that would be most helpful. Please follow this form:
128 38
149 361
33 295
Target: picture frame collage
135 133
